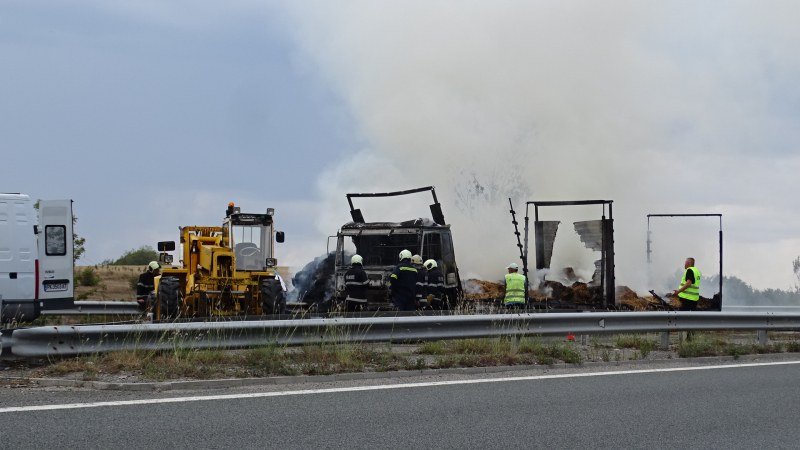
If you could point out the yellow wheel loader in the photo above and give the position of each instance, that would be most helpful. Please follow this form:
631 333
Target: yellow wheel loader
224 271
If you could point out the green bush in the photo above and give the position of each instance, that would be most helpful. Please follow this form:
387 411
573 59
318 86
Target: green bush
137 257
88 277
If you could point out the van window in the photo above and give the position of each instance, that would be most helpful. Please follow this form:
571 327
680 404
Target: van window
55 240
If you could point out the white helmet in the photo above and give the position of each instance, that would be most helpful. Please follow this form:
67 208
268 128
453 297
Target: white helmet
430 264
153 266
513 266
356 259
405 254
416 259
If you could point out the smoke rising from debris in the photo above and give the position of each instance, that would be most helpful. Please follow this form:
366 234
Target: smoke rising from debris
654 106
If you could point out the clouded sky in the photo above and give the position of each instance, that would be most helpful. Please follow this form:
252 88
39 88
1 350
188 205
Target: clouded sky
152 115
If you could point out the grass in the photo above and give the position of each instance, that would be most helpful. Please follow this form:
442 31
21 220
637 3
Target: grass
275 360
641 343
705 345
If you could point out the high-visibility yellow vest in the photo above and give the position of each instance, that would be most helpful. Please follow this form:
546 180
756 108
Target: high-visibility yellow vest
515 288
692 293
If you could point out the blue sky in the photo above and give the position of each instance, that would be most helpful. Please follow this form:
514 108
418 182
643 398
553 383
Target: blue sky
120 111
154 114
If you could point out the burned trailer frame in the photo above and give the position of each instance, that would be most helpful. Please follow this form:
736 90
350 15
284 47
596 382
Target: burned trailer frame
650 240
606 269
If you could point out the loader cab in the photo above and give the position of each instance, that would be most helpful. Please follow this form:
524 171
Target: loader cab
252 238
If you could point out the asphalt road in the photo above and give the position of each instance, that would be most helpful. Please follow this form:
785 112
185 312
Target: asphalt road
742 407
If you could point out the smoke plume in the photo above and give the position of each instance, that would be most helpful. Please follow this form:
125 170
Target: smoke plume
654 106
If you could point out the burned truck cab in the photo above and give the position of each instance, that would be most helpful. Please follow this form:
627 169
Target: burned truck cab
380 243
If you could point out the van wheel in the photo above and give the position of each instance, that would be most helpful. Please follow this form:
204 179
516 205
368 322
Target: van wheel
273 300
168 298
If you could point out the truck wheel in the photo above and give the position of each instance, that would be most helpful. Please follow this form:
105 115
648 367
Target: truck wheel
168 298
273 300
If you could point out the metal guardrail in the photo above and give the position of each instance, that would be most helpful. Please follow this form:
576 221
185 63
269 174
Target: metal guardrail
75 340
91 307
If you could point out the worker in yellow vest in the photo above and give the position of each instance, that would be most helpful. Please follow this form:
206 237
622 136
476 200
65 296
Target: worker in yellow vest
515 288
689 290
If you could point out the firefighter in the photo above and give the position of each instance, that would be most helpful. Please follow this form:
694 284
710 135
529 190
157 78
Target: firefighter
514 287
420 299
356 283
403 283
434 281
146 284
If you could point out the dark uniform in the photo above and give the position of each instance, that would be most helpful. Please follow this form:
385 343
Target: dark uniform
435 287
144 287
403 285
356 283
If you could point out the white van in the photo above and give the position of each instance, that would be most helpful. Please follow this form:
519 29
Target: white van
36 265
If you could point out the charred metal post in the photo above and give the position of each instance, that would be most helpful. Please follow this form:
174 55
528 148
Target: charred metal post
525 252
720 260
519 245
608 258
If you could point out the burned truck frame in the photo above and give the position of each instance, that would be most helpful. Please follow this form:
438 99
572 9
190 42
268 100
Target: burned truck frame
379 244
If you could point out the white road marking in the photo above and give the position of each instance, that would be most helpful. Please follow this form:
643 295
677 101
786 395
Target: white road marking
154 401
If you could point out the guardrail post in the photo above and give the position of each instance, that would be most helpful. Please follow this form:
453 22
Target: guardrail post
665 340
584 339
763 337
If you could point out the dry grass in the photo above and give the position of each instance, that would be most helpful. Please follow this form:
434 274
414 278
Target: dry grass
710 345
115 283
273 360
307 360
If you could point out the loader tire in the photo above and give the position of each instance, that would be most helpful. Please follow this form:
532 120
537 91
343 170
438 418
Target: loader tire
273 300
168 298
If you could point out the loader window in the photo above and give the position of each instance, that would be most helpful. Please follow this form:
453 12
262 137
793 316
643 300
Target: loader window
247 242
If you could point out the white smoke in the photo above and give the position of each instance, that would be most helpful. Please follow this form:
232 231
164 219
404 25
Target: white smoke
652 106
